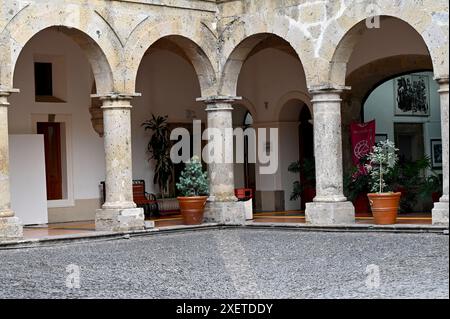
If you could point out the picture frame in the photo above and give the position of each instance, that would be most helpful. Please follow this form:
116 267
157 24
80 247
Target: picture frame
380 137
412 95
436 153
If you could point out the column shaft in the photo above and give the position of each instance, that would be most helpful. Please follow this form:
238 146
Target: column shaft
117 143
441 209
5 194
10 226
221 174
222 206
330 205
119 212
328 147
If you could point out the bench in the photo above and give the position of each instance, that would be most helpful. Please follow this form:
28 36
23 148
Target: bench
141 198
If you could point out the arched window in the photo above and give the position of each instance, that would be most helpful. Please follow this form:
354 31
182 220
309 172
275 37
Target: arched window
248 120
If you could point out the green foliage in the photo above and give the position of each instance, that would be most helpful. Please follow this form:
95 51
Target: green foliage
431 184
159 150
193 181
410 178
382 161
356 183
308 170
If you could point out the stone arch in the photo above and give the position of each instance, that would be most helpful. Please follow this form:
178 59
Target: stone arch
368 77
339 56
193 38
293 95
95 37
243 35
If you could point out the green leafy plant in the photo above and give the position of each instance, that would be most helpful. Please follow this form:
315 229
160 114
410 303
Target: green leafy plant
193 180
356 183
308 170
382 161
159 150
431 184
409 178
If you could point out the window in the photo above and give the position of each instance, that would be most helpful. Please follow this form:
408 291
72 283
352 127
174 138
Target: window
43 80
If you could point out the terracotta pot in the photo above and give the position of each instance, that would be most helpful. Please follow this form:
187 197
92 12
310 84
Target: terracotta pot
384 207
192 209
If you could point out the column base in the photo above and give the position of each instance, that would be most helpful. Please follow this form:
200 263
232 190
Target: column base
10 229
330 213
440 213
230 213
119 219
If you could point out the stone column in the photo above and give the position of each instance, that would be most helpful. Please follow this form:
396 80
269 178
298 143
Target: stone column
441 208
10 226
119 212
222 206
330 206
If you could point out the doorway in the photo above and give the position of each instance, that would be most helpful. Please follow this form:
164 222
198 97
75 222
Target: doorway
306 156
409 141
53 166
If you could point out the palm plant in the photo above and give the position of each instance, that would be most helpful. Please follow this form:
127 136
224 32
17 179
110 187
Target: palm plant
159 149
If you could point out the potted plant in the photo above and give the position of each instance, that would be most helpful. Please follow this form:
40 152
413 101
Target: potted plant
383 201
408 177
193 186
159 149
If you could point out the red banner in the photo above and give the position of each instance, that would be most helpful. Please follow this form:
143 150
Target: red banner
363 140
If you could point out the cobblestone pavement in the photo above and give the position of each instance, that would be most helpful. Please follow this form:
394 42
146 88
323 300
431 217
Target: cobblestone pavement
234 263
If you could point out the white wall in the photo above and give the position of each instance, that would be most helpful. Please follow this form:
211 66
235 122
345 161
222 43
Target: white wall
87 147
266 78
380 106
169 86
27 169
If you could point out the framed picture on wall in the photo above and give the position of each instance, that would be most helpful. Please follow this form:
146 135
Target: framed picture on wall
436 153
412 95
380 137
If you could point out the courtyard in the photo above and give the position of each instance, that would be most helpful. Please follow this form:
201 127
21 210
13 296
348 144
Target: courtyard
233 263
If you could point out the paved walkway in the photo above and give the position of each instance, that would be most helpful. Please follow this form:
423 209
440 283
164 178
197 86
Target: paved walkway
87 227
233 263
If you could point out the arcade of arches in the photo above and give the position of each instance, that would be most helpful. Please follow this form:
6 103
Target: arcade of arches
86 76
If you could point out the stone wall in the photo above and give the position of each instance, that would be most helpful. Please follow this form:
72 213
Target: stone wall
116 34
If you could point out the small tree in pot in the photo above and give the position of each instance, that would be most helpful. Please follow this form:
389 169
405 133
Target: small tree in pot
193 186
384 202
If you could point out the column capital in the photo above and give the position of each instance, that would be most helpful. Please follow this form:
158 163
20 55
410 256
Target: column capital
116 100
4 93
327 89
7 91
116 96
443 84
442 79
216 99
219 103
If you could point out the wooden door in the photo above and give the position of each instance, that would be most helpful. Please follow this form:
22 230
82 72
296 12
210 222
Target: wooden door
409 141
52 145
